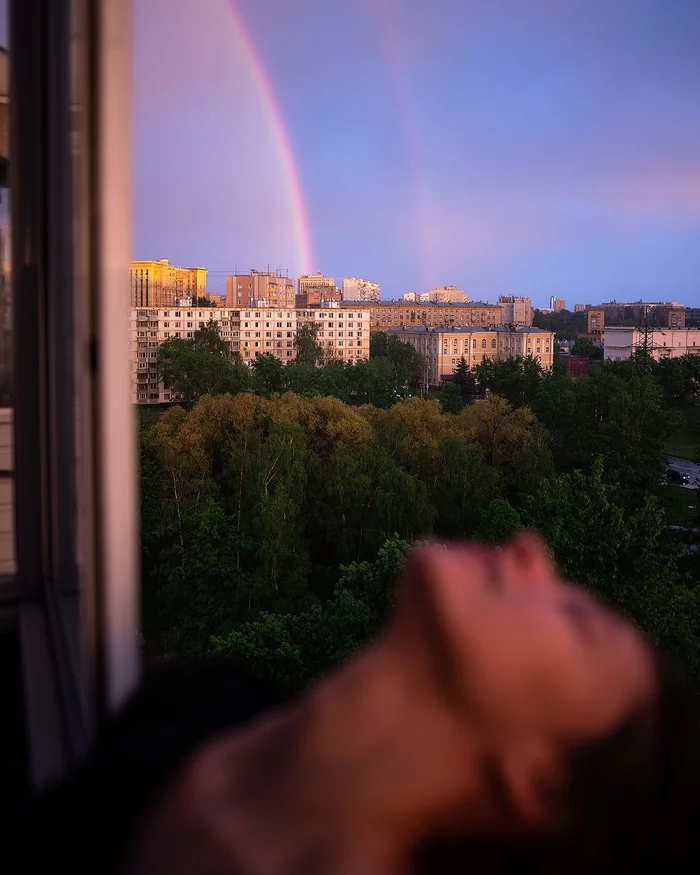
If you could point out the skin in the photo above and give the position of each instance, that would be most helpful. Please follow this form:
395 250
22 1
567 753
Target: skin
457 719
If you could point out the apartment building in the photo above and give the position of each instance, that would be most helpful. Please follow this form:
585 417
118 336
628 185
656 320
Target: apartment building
148 328
314 281
159 283
260 289
395 314
343 333
596 322
324 296
441 295
248 333
658 314
356 289
443 348
621 342
516 310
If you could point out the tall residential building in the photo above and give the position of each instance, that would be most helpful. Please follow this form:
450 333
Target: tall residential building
663 343
314 281
596 322
394 314
248 333
579 308
355 289
260 289
158 283
516 310
443 348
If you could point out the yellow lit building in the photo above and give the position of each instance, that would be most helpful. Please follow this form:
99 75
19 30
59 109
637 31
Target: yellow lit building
443 348
159 283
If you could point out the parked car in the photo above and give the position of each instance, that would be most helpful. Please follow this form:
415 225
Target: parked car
673 476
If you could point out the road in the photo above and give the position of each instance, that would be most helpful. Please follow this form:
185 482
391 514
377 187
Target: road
685 466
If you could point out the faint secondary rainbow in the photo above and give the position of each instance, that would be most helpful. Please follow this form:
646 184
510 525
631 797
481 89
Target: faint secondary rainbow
296 195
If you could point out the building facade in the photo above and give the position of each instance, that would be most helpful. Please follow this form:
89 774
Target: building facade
442 349
622 341
343 335
356 289
159 283
441 295
260 289
596 322
321 297
516 310
314 281
395 314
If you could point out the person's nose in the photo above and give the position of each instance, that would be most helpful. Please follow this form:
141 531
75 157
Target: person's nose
526 564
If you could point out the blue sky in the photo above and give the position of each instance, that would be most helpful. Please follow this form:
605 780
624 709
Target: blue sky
529 147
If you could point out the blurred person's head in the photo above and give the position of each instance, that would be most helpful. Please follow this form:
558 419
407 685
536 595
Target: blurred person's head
584 741
504 722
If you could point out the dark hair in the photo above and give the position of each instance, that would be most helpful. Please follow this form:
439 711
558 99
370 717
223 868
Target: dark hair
632 802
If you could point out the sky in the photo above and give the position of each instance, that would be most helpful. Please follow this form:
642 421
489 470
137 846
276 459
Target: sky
527 147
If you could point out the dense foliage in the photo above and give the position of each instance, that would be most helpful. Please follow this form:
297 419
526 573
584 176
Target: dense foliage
202 366
275 517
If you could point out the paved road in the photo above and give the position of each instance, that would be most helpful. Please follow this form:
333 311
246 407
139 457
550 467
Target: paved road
685 466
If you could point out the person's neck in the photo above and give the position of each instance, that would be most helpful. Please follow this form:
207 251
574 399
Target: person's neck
359 771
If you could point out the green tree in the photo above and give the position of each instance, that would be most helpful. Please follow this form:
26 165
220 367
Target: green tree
201 366
465 379
461 488
499 522
268 375
297 649
451 398
585 346
406 360
566 325
516 379
208 337
309 351
495 428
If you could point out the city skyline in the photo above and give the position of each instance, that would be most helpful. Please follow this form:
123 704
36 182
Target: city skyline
507 150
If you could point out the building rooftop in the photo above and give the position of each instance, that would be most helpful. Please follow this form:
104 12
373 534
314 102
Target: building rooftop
457 304
468 329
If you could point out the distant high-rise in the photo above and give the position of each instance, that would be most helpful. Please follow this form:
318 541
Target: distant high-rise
159 283
314 281
315 289
579 308
355 289
557 304
260 289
